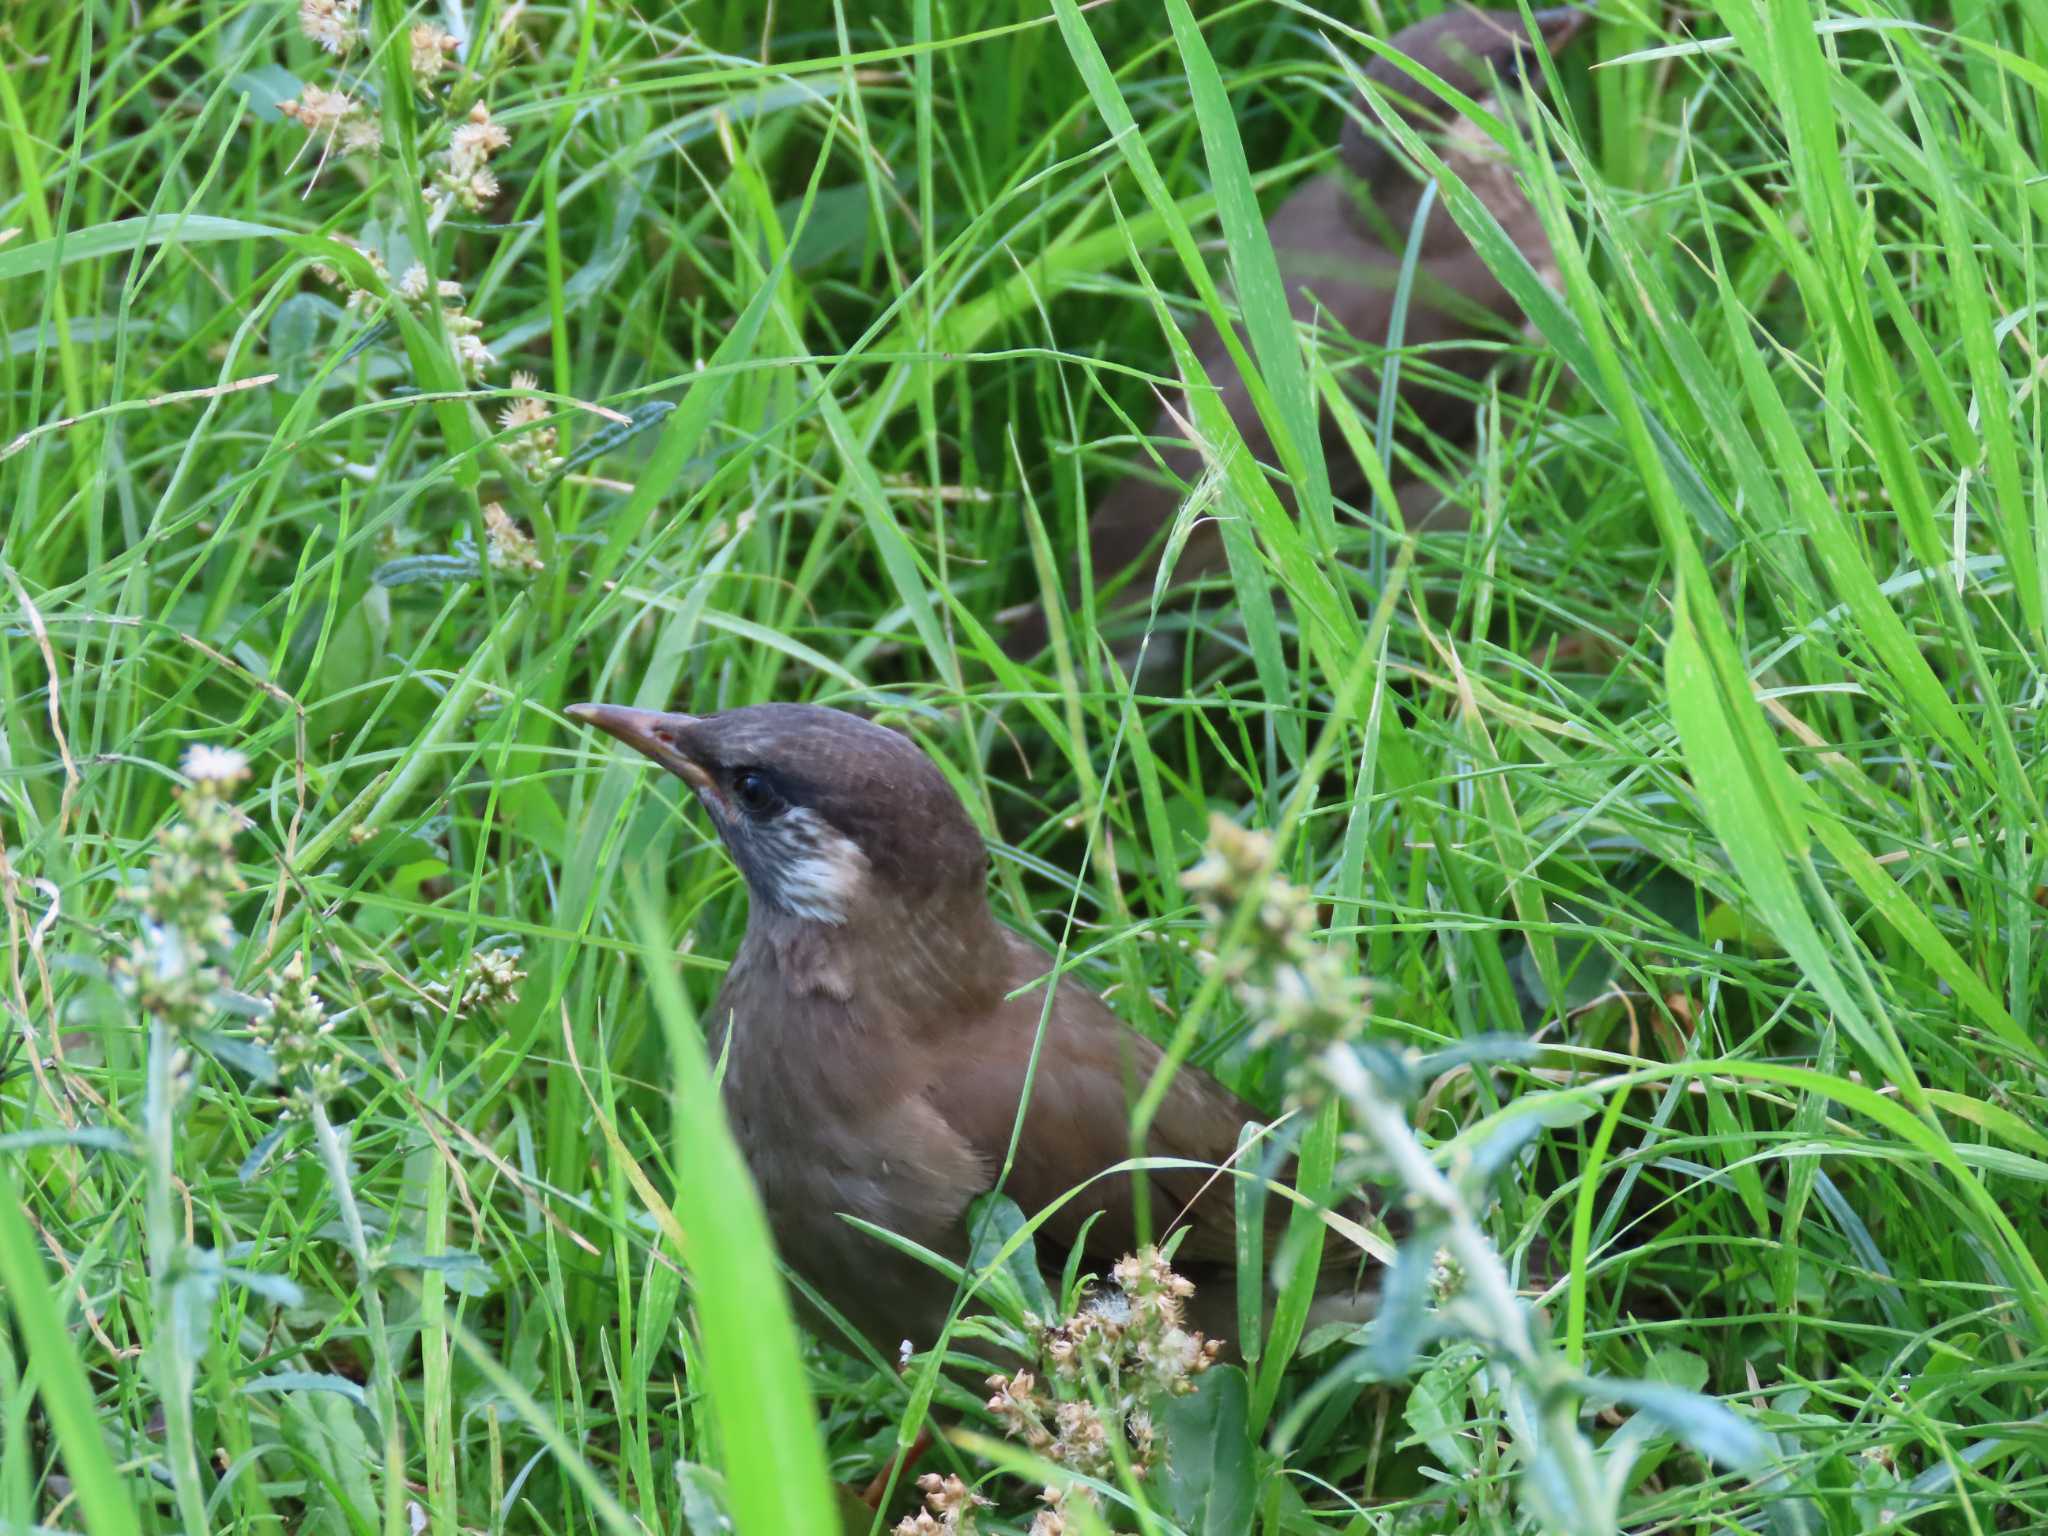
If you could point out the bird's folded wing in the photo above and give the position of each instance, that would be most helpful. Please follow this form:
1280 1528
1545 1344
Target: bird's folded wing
1076 1106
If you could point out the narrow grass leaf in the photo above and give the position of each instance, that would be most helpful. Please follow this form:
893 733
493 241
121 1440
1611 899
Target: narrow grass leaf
773 1457
105 1498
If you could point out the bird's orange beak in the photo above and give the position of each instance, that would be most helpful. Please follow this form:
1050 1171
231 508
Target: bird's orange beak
649 732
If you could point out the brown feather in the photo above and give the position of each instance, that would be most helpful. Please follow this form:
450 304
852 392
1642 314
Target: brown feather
878 1027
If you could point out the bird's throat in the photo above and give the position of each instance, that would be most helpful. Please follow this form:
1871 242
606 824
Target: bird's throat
939 962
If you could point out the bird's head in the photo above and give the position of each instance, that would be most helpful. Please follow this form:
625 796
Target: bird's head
827 815
1472 52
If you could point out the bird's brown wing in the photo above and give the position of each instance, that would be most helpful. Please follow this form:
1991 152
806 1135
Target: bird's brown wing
1091 1069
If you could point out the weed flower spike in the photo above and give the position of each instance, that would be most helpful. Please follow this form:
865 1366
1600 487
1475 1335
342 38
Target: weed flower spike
1120 1352
949 1509
331 24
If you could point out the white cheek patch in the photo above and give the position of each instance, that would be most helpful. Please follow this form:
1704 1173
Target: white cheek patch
817 871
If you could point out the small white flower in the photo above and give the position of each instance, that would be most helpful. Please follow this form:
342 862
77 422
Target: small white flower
331 23
319 110
362 134
336 118
524 413
432 49
476 140
222 767
474 358
510 548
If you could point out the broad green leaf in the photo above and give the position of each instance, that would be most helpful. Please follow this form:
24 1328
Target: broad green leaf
1210 1478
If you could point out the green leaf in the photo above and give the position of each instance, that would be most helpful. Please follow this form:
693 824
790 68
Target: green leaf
461 1270
308 1381
773 1454
644 417
681 431
1676 1367
1330 626
1210 1477
1302 1249
106 1500
1436 1410
99 1138
1707 1426
1261 291
1750 800
999 1242
294 333
122 236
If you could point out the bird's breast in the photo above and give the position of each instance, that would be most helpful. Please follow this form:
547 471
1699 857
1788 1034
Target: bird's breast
833 1114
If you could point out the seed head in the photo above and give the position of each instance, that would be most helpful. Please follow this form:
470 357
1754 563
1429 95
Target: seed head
331 24
511 549
533 450
433 49
300 1037
467 177
949 1508
1295 987
335 117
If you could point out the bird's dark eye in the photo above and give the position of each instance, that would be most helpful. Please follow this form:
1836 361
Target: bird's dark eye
753 793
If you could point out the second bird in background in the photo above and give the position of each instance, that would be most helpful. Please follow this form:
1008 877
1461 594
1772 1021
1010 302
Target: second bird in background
1340 241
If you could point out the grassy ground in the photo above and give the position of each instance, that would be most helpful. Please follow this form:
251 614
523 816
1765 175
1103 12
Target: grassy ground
1711 760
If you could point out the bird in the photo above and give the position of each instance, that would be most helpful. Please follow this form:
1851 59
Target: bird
879 1027
1340 239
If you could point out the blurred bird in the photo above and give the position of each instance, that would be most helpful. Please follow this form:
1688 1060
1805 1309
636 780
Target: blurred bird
880 1025
1340 239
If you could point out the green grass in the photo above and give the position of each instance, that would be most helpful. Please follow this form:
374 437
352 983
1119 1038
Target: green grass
1713 754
